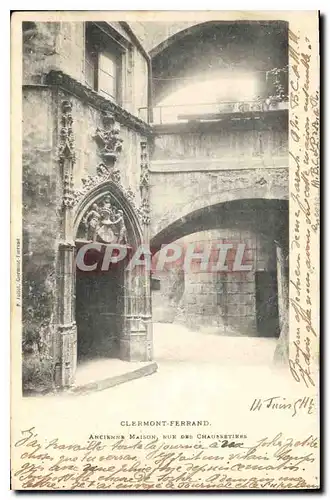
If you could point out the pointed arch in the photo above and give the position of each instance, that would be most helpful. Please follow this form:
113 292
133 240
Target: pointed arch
133 314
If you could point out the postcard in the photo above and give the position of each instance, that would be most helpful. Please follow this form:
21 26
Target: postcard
165 227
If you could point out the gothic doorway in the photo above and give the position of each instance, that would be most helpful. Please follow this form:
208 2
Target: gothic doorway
99 309
100 283
102 312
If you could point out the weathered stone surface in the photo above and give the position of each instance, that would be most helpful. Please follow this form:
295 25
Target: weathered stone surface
53 170
221 302
40 229
206 164
190 192
198 175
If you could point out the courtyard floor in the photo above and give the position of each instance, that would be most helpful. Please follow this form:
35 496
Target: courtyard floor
176 343
173 342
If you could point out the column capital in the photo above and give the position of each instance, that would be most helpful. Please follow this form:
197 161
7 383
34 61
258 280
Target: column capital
67 245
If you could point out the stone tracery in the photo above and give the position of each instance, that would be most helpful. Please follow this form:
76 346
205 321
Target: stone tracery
66 151
104 222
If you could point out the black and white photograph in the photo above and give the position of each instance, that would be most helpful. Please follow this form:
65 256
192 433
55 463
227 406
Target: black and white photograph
187 144
163 258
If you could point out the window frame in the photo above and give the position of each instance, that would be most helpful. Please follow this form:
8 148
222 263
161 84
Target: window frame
116 77
103 39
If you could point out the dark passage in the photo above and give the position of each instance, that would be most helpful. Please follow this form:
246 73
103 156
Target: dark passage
267 304
99 312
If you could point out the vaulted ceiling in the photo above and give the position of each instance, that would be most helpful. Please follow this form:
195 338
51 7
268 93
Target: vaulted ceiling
200 51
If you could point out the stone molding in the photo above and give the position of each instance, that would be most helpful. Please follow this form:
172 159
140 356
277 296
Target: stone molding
218 164
66 144
92 181
67 329
69 84
144 212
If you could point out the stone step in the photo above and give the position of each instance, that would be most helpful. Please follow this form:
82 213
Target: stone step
119 373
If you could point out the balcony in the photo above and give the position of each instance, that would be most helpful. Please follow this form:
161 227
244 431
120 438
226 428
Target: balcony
181 113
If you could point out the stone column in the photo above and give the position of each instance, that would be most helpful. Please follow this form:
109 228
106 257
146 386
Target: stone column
145 218
136 343
66 337
66 354
133 345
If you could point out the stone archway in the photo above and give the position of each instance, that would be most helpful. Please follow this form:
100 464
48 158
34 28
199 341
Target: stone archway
124 310
102 295
105 190
252 302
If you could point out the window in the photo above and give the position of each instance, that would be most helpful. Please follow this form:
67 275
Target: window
90 64
102 63
108 74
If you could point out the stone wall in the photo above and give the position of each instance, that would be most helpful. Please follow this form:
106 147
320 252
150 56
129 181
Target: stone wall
61 47
237 141
220 302
153 33
40 53
53 46
86 119
198 165
41 191
57 49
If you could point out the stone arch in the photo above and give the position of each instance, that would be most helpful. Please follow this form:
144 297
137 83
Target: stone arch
203 202
135 340
181 31
224 42
120 200
268 233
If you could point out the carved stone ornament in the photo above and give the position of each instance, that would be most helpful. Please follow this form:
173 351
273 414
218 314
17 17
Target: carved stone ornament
144 212
66 146
69 84
102 174
66 152
144 175
104 222
108 140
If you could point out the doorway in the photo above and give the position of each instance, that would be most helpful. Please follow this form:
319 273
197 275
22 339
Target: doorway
99 310
267 304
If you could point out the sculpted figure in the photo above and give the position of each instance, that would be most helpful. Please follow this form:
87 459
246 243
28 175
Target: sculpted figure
107 205
116 141
122 238
92 222
106 230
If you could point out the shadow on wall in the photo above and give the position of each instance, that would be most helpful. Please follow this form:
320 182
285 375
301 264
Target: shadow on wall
167 302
